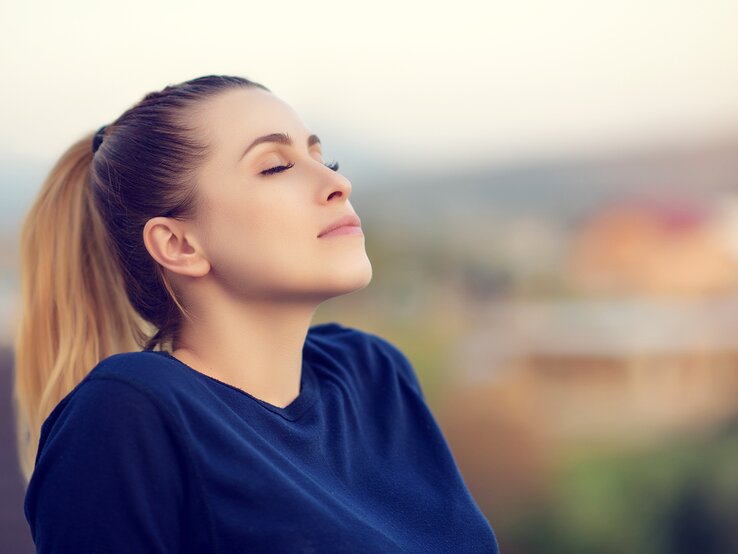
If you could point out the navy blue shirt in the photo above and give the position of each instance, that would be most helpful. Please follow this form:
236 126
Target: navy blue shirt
148 455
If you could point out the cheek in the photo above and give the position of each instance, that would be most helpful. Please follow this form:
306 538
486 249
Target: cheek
243 218
258 238
265 221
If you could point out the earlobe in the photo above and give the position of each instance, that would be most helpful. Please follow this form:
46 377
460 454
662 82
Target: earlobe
167 243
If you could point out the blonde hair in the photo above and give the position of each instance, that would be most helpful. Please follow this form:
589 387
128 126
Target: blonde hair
74 309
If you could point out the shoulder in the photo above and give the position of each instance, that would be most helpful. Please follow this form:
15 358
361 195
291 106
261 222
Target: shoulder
372 353
106 420
338 335
155 374
108 452
118 385
142 367
349 341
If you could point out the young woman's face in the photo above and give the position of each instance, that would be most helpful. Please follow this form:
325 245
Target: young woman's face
264 202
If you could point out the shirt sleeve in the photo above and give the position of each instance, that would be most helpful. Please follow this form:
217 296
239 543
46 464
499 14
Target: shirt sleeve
111 475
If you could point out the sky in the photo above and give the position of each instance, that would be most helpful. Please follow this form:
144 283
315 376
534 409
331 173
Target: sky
393 83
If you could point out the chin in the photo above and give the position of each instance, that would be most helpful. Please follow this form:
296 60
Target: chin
366 278
350 281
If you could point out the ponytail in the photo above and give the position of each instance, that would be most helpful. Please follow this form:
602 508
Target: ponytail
74 309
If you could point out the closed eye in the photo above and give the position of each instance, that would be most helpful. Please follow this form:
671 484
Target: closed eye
276 169
279 168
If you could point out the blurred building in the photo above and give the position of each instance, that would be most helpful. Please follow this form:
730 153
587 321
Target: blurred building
656 247
536 378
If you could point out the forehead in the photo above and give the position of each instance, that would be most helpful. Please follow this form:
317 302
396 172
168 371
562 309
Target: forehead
236 116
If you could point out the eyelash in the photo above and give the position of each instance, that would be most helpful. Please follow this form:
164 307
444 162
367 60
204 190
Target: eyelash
280 168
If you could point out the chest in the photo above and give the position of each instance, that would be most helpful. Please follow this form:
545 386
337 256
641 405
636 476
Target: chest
339 480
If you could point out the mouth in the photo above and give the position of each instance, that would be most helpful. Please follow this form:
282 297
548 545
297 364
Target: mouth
347 225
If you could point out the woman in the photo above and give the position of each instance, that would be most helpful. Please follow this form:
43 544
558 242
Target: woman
172 395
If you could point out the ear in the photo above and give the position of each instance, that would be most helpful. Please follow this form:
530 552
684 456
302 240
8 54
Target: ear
169 243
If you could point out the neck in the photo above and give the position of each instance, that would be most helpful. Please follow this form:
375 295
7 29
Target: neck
256 347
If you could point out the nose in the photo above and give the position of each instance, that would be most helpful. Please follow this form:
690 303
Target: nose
336 186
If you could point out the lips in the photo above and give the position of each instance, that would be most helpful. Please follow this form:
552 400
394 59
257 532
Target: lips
351 220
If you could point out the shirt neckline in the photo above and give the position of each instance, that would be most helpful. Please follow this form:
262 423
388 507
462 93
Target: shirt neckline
291 411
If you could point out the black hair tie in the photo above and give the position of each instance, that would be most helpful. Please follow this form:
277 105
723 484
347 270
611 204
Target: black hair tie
97 141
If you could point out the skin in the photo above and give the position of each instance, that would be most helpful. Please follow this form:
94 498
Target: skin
249 266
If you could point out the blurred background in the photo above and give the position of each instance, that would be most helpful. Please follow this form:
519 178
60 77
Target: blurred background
549 193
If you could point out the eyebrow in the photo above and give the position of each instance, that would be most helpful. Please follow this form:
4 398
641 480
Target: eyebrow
279 138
